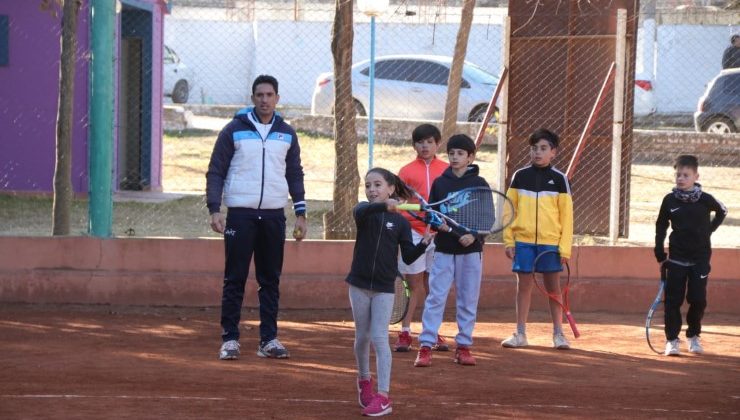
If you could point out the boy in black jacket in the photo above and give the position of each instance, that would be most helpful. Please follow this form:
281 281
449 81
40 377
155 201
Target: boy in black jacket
687 209
457 258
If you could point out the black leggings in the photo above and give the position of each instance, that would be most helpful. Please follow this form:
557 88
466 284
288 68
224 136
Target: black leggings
690 282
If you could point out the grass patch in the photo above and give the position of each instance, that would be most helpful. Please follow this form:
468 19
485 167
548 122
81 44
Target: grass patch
185 161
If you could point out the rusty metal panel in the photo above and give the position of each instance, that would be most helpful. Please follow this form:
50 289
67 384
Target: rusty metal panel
560 54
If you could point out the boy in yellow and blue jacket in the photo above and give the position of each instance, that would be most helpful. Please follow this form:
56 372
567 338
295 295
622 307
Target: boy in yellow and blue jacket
544 222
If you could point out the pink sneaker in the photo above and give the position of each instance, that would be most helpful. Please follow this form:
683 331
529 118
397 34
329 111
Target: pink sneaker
379 406
403 344
441 344
365 392
424 357
464 357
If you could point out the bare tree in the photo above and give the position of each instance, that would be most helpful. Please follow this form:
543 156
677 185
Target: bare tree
338 223
62 207
449 122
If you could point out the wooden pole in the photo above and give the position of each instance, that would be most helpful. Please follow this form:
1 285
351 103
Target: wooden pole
503 114
590 123
491 108
618 124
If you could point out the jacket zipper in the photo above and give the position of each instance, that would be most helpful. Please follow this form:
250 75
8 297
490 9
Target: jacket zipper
537 207
262 182
264 152
377 246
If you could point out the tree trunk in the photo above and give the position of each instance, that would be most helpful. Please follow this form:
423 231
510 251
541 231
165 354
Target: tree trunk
449 123
62 208
338 222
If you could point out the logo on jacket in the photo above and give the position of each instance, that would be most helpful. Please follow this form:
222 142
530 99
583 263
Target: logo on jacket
551 182
390 225
230 232
456 203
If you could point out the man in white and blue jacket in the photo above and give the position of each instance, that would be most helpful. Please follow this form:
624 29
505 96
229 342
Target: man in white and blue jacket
255 166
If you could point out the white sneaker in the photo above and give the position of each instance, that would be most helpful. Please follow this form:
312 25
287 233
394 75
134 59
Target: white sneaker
229 350
560 342
671 348
695 345
516 340
273 349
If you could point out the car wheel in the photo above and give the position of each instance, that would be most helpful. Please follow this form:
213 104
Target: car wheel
359 109
720 125
479 113
181 92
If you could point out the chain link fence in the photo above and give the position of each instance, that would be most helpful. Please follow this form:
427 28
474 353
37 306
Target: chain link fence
214 49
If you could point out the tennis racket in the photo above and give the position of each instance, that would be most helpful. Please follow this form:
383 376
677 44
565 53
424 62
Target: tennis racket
562 297
471 209
655 321
400 300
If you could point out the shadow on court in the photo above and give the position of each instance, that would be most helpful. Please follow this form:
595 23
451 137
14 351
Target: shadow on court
75 361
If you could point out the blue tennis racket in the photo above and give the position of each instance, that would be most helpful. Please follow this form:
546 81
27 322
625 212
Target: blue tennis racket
471 209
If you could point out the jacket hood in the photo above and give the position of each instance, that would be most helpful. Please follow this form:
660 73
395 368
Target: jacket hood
242 115
471 171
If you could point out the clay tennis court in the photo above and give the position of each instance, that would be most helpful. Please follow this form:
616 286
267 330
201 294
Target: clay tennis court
102 361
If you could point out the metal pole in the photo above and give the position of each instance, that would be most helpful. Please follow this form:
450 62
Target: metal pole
371 113
100 211
617 126
503 120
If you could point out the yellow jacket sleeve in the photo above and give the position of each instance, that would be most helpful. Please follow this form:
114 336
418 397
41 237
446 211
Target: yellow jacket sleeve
565 207
513 195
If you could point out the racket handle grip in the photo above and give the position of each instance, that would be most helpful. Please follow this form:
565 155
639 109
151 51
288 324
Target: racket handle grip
408 206
572 323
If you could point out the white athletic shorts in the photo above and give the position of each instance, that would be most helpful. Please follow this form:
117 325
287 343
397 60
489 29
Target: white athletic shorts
423 263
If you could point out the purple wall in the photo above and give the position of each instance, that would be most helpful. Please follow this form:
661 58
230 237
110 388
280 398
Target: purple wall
28 99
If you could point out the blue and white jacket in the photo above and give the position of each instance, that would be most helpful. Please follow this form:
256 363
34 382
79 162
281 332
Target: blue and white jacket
254 173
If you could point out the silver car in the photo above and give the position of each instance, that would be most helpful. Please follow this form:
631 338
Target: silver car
410 87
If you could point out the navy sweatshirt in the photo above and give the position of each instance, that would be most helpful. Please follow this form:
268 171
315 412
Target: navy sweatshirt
379 235
691 228
442 187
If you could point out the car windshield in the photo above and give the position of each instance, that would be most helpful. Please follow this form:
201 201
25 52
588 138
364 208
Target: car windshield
478 75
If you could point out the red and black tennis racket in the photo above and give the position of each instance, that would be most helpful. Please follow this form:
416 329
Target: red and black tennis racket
560 295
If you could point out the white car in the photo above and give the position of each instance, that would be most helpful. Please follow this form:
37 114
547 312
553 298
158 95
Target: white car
410 87
178 78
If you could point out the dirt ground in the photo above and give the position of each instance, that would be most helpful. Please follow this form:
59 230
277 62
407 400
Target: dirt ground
94 362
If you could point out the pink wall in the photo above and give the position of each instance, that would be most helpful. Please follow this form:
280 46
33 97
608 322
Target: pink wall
189 273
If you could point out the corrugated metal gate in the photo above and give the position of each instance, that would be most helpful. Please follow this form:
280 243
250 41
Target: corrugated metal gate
560 54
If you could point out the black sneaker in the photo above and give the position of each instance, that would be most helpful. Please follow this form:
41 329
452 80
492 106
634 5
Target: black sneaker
272 349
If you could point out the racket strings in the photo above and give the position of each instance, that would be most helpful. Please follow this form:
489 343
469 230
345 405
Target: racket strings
400 301
474 210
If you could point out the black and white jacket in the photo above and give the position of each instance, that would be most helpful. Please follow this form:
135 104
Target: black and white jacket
379 235
691 228
253 172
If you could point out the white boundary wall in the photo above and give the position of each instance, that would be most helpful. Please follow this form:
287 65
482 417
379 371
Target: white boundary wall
227 55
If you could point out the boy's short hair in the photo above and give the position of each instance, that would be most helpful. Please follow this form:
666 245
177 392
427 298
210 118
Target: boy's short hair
686 161
544 134
461 141
425 131
265 78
